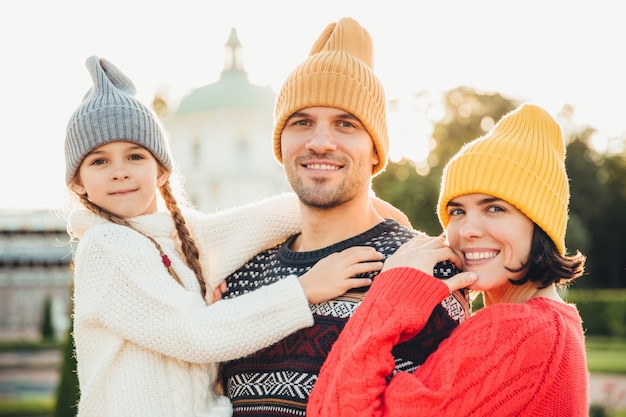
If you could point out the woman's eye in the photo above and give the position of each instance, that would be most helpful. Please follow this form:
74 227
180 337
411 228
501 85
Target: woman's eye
456 212
495 209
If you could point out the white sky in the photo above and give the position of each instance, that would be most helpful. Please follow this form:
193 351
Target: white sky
550 52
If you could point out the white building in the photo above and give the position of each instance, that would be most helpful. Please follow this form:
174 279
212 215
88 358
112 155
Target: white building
35 259
221 137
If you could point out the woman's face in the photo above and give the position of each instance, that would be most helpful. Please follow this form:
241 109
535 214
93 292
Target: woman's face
489 235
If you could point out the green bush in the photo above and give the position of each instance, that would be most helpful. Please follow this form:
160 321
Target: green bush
603 311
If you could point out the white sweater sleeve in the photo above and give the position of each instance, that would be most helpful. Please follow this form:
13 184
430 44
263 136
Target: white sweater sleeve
121 286
229 238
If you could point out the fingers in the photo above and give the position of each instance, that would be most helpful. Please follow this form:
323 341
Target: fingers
422 252
461 280
357 283
217 294
357 260
363 267
358 254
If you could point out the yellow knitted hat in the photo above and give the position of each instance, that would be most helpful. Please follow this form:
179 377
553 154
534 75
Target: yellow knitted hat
338 73
520 160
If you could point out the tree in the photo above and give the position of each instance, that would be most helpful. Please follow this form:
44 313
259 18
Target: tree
47 326
414 194
468 115
598 198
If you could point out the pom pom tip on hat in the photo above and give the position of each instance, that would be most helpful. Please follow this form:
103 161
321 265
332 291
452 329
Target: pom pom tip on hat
338 73
520 160
110 112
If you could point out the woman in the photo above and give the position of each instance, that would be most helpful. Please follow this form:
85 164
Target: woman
503 203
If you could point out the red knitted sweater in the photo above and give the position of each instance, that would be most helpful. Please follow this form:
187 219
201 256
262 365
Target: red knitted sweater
523 359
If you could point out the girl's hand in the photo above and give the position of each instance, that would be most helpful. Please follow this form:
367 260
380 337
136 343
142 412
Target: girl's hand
332 276
218 291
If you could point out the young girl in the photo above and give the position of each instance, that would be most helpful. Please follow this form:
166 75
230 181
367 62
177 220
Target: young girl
146 341
503 203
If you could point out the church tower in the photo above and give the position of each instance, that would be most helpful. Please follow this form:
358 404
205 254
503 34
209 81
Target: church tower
221 136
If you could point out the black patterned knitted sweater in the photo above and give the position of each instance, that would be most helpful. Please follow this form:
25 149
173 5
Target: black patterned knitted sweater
277 380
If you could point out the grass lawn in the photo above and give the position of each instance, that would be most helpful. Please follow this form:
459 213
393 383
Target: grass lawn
606 354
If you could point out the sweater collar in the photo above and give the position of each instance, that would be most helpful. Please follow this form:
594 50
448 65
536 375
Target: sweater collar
156 225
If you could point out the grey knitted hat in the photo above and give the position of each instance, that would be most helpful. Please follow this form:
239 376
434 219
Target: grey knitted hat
109 113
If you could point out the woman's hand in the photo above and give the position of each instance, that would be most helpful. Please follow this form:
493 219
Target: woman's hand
424 252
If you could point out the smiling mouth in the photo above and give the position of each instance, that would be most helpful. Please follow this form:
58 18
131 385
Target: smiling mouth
477 256
122 192
321 167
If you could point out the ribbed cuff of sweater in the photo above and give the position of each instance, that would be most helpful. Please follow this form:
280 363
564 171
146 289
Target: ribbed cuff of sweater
290 294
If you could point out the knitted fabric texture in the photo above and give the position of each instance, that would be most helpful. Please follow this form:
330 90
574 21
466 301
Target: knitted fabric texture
522 161
338 73
276 381
524 359
109 113
145 346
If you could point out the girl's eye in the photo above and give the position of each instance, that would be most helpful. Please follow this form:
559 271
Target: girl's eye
136 157
98 161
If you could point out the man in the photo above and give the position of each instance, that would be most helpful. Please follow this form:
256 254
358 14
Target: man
331 136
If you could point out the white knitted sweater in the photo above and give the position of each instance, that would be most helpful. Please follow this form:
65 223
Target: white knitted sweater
146 346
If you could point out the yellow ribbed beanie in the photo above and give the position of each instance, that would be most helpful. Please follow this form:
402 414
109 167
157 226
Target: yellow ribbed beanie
520 160
338 73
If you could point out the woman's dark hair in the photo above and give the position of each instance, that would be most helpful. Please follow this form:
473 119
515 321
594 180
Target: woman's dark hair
547 266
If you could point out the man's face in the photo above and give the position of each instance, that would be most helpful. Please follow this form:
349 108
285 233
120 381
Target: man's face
328 156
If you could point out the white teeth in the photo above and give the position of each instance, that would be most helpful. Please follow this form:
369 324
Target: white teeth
322 166
475 256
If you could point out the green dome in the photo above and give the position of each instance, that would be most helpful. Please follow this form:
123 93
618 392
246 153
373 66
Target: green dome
232 91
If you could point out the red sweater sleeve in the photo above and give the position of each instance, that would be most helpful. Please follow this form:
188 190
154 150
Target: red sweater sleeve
508 359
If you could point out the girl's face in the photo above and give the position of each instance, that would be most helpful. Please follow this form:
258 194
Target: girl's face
489 235
122 178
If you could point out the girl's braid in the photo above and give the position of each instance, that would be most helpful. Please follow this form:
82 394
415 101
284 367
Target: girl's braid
123 222
188 245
